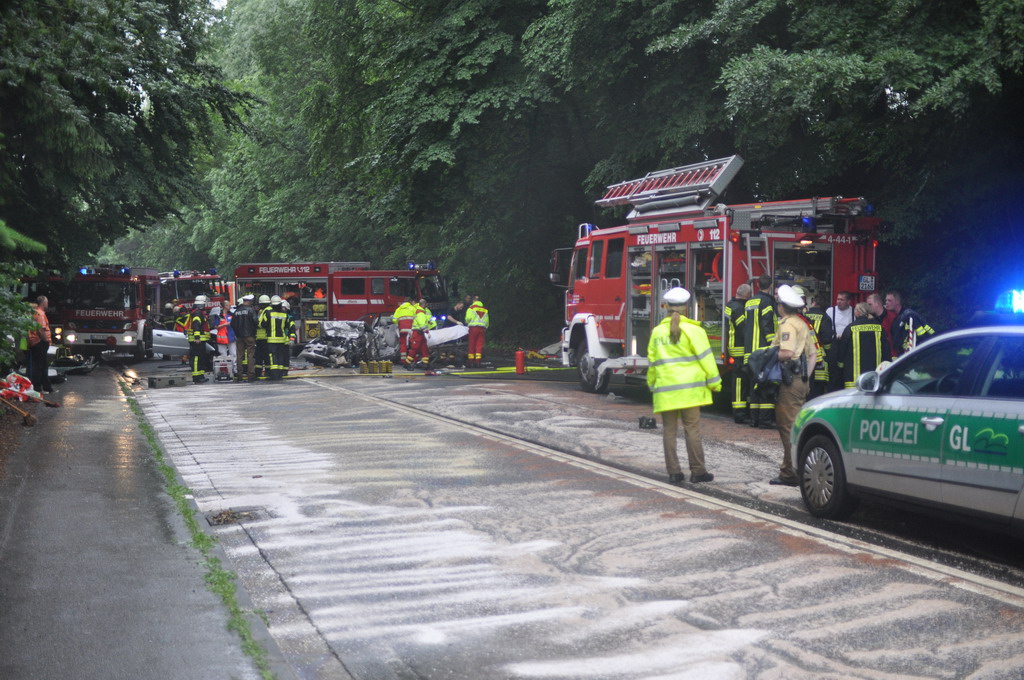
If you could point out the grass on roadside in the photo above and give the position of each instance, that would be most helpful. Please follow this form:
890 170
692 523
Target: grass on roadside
219 580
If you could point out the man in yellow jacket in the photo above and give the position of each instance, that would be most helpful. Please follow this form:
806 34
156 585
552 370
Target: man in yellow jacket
479 320
682 374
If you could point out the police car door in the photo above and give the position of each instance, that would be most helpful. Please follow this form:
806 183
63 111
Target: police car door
984 445
897 433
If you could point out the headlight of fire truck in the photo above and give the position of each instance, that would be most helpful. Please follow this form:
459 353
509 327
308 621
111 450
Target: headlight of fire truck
70 338
58 333
128 339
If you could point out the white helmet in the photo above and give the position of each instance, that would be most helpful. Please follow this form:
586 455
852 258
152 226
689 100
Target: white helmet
790 297
676 296
276 300
265 299
285 305
200 301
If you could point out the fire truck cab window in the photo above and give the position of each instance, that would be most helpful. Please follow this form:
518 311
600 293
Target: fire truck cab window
376 286
403 287
432 289
613 264
101 295
580 264
596 251
352 286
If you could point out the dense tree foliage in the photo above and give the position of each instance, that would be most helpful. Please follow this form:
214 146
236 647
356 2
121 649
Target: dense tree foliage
105 108
479 132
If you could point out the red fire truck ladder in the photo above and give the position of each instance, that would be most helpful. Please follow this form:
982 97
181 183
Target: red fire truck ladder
693 186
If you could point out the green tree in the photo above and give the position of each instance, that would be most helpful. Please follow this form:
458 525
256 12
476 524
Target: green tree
105 108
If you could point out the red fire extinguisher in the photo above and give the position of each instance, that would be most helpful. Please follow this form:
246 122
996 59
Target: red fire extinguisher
520 362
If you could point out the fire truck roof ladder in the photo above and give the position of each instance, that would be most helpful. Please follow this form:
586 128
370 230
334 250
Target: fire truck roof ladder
693 186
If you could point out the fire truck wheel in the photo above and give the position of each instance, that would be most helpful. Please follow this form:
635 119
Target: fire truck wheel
589 380
140 351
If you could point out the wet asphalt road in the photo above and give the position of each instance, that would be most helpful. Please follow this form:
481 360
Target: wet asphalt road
384 542
97 577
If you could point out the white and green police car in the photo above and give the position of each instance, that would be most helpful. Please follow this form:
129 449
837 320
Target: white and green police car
942 427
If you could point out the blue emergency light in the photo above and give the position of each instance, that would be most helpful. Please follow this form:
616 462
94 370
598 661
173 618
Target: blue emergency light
1011 302
810 225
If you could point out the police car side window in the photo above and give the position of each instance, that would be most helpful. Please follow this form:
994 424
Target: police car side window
936 370
1005 377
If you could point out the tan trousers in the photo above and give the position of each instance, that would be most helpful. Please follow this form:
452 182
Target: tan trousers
791 400
694 446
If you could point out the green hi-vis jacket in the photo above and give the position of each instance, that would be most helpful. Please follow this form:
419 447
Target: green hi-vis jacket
683 374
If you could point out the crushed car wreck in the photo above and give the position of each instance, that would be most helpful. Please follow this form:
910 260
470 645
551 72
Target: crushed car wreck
347 343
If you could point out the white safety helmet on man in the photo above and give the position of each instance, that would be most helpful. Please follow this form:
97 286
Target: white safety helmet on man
790 297
201 301
265 299
276 300
676 296
285 304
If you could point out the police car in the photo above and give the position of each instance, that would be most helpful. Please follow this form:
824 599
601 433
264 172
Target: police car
942 428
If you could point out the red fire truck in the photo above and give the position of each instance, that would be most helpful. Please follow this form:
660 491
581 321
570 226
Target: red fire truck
677 235
341 291
183 286
111 307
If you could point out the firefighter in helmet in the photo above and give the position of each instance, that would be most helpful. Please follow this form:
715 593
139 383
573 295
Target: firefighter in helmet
198 329
280 330
262 354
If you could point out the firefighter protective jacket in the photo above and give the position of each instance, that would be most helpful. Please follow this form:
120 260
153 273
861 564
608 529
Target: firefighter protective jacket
908 329
405 310
862 347
477 315
761 323
198 326
261 331
826 336
423 321
735 319
278 326
682 374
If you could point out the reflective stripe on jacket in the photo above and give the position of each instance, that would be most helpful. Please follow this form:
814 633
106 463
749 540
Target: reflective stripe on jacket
278 326
761 322
863 346
405 310
423 321
477 315
683 374
735 320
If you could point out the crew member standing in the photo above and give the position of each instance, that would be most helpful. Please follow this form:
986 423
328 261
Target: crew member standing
863 346
797 348
198 335
39 339
262 355
908 327
279 330
682 374
403 317
421 325
243 323
290 332
761 323
736 331
822 326
478 320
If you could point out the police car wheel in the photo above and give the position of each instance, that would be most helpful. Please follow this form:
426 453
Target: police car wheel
823 479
